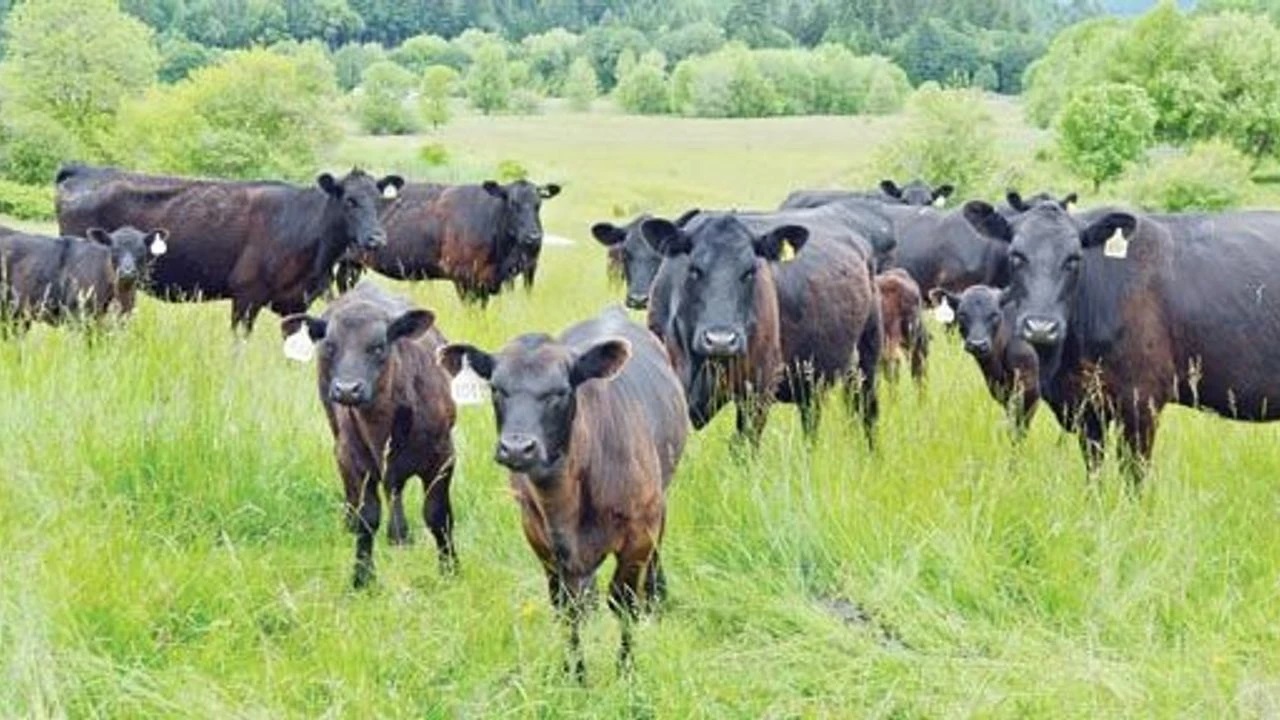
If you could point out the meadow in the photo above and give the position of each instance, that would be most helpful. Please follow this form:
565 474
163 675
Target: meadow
170 515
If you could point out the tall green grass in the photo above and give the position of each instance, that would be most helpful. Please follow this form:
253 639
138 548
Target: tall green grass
172 542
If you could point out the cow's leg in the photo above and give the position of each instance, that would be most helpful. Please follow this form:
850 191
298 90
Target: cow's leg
394 480
919 353
568 605
655 580
752 412
244 311
1138 425
363 510
1092 431
809 402
866 402
438 515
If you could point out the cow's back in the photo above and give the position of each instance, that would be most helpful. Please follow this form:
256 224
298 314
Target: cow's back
441 231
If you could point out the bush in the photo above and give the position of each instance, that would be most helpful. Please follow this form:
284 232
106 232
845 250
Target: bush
350 61
488 82
725 84
420 52
32 148
947 135
179 57
511 171
380 106
438 84
550 56
525 102
1104 128
791 75
1213 176
255 114
434 154
27 202
581 86
887 86
605 44
699 38
643 89
1077 57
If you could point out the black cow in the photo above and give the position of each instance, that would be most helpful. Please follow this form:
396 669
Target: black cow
915 193
741 324
481 237
631 258
1128 313
258 243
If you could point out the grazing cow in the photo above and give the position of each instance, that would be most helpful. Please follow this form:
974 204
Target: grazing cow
902 310
57 279
391 413
1008 363
481 237
1128 313
741 325
591 426
258 243
916 193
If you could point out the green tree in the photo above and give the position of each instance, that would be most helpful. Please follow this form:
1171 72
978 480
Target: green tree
74 62
948 135
549 56
643 89
350 61
700 38
605 44
179 56
488 83
422 51
438 83
1104 128
582 86
380 106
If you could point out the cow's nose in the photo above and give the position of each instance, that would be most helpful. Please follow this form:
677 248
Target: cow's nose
1041 330
516 450
346 392
375 240
981 348
721 341
637 302
533 239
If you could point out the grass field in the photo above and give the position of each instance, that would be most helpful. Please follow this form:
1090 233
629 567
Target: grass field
172 544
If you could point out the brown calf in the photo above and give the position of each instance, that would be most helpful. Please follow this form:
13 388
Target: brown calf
902 309
390 411
591 426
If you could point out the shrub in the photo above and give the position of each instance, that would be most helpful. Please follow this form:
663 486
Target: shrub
420 52
550 56
380 106
525 102
33 148
350 61
643 89
488 82
699 38
434 154
179 57
581 86
947 135
1104 128
27 202
438 83
1213 176
887 86
511 171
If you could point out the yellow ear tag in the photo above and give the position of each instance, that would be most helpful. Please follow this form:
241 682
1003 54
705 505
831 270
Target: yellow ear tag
1117 246
467 387
787 252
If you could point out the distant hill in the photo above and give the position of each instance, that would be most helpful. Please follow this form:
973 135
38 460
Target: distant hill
1137 7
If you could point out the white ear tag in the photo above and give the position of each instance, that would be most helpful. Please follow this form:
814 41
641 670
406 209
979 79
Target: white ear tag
1117 246
390 192
940 201
298 346
159 247
944 314
467 387
1070 207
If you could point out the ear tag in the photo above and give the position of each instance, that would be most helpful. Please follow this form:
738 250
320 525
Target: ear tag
787 252
159 247
467 387
1117 246
944 314
299 347
940 201
390 192
1070 207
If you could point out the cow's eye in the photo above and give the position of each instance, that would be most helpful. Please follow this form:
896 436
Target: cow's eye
1017 260
748 275
377 348
1071 264
555 395
351 203
993 318
695 273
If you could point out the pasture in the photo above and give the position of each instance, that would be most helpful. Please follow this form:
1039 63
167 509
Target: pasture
170 515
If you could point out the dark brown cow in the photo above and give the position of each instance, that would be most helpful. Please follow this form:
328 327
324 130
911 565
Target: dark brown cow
743 326
905 336
53 280
1129 312
258 243
1008 363
390 411
591 425
481 237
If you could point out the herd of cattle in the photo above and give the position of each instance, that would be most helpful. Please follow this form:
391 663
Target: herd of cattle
1106 315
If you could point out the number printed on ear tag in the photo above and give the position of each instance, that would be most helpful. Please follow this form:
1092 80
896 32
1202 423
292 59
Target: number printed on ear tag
467 387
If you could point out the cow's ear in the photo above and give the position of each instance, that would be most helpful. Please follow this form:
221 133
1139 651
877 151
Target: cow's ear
952 299
942 192
453 356
890 188
603 360
315 327
1015 201
686 216
100 236
494 189
328 184
390 186
987 221
549 191
1102 229
665 237
1069 202
769 246
411 325
608 234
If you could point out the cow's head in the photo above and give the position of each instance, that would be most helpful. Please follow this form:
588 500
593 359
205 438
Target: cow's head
917 192
636 260
717 310
357 343
1046 253
358 196
978 315
133 252
1019 204
522 201
535 380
